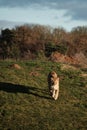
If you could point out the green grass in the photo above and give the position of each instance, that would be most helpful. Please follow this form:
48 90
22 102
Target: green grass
25 103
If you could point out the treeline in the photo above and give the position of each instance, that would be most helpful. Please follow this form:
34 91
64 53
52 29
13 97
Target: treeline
32 41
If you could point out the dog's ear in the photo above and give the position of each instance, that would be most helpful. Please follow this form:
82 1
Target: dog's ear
54 74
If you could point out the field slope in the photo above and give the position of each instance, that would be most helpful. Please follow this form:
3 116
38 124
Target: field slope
25 103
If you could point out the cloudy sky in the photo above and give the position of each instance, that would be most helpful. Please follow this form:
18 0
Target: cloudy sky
56 13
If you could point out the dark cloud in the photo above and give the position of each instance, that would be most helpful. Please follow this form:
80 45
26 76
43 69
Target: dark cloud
13 3
19 3
76 8
50 3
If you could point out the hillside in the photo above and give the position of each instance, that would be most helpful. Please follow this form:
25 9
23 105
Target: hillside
25 103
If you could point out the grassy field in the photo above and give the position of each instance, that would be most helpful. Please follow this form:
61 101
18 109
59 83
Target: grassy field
25 103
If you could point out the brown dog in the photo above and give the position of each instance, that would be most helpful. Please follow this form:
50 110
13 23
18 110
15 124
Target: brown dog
53 83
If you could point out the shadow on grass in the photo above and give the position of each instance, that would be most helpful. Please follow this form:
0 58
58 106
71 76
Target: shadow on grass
13 88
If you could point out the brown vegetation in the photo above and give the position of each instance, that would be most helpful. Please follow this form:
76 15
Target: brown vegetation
58 57
34 73
30 41
16 66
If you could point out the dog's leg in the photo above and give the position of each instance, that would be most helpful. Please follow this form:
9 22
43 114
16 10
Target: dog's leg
53 93
56 94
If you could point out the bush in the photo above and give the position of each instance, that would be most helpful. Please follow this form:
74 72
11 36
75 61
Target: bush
51 47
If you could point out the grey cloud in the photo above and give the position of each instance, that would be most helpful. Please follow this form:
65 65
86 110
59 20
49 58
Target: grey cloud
76 8
49 3
9 24
13 3
18 3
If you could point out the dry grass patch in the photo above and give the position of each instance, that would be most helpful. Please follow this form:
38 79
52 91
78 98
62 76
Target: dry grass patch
16 66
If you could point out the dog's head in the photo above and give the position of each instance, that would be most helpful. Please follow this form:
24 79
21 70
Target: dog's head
52 77
53 74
